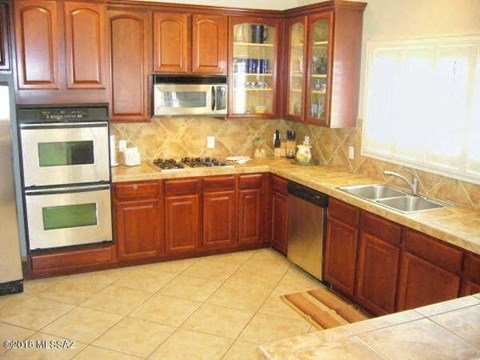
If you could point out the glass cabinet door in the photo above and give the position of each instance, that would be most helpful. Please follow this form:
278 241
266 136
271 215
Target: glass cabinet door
253 76
318 81
296 68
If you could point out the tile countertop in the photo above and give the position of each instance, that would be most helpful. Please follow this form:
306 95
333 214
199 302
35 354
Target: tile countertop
447 330
459 226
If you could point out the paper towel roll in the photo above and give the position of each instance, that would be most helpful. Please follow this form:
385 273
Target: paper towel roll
113 151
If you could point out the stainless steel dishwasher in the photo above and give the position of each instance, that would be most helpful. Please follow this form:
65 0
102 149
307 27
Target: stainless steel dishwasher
306 222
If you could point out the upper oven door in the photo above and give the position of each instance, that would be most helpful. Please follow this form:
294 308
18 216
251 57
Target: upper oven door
177 99
63 154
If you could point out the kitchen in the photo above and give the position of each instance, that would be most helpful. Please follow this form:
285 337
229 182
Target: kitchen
172 137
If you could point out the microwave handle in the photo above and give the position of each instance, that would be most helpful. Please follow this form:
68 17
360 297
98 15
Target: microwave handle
213 98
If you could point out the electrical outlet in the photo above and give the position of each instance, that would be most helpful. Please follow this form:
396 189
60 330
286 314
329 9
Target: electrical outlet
351 152
210 142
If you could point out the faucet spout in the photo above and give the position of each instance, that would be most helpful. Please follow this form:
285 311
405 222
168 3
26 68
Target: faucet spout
413 184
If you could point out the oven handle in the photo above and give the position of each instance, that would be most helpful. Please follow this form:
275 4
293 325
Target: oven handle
38 126
67 190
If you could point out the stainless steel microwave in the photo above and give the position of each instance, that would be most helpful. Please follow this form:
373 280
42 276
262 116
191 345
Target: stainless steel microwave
189 95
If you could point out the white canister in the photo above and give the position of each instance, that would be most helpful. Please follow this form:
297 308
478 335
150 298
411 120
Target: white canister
113 151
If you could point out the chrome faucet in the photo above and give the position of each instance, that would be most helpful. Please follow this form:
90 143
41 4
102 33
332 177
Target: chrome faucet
413 185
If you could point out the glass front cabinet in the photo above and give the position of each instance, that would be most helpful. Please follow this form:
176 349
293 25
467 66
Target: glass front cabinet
254 44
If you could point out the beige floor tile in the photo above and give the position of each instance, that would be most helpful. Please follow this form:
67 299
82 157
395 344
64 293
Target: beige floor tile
296 280
117 299
265 328
240 297
32 287
236 257
10 332
82 324
218 320
446 306
46 347
184 344
211 269
134 337
8 301
420 339
35 313
190 287
145 280
275 306
383 322
166 310
175 267
94 352
265 278
242 350
72 290
464 323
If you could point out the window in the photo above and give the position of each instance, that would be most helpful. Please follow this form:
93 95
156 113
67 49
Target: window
422 105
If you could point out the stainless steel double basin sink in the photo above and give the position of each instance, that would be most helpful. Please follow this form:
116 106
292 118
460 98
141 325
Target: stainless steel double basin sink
394 198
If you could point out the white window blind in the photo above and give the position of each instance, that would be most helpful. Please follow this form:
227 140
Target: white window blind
422 105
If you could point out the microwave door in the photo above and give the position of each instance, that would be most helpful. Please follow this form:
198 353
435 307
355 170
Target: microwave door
182 99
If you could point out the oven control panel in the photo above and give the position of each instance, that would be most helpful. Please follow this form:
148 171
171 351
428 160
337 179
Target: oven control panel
62 114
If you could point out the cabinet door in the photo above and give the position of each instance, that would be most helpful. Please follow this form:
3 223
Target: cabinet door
471 274
209 44
130 65
340 256
85 45
296 68
252 75
137 229
219 214
422 283
37 41
319 68
171 43
4 48
470 288
182 223
250 216
279 222
377 273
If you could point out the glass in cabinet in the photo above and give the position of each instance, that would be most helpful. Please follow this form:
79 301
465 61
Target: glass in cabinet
318 82
253 53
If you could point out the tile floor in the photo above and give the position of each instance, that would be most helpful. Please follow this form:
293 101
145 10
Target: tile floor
216 307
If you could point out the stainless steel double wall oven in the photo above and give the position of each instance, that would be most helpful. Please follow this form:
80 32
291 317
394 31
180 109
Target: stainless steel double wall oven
66 175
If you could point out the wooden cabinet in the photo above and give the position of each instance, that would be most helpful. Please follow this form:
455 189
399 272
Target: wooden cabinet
182 215
378 261
251 208
323 64
429 271
130 42
185 43
279 214
254 53
61 46
4 39
471 280
340 255
219 212
138 220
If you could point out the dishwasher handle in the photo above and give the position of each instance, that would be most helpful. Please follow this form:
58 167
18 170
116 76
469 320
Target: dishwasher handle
313 196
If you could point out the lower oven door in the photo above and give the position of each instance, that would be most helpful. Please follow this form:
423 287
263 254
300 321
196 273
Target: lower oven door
64 217
59 154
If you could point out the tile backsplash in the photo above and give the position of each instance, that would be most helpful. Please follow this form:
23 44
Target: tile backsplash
178 137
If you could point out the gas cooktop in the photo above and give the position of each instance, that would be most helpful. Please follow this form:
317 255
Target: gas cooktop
190 162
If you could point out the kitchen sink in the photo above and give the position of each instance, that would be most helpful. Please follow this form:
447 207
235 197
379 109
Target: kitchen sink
373 191
393 198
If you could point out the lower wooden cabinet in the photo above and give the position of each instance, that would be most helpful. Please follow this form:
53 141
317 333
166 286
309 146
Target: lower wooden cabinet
138 220
471 268
251 208
279 214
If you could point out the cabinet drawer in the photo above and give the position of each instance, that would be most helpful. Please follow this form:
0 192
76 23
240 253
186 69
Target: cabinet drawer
433 250
184 186
381 228
344 212
472 267
136 190
219 183
279 184
253 181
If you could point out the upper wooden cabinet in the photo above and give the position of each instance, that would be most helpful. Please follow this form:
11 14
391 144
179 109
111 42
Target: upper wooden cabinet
60 46
323 63
4 43
130 65
185 43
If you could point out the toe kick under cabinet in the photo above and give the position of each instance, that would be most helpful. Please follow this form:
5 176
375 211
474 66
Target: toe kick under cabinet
184 217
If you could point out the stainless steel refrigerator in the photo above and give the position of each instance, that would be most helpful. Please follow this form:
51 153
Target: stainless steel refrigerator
11 276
